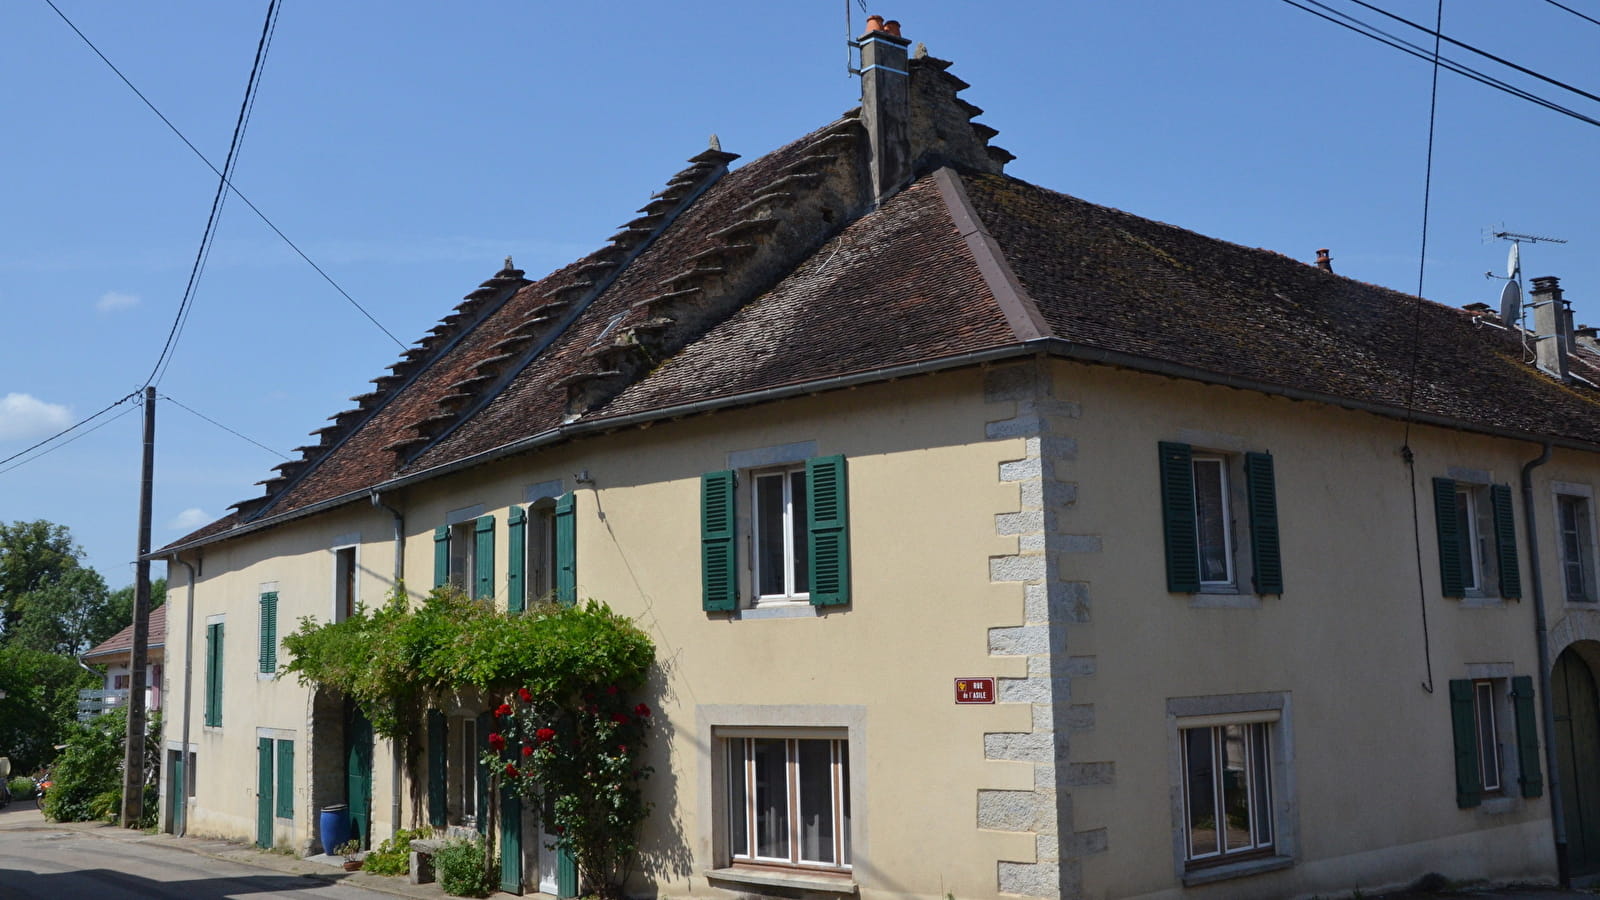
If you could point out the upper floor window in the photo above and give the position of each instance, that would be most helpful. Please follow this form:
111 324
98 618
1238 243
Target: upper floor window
1204 513
344 583
463 553
1575 531
1477 539
778 501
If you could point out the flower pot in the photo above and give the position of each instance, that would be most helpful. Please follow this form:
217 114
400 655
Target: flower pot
335 824
350 865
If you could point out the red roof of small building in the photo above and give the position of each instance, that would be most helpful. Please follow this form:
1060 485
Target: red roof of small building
121 643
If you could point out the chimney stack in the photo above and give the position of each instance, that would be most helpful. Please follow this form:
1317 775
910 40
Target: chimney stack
886 105
1324 261
1552 326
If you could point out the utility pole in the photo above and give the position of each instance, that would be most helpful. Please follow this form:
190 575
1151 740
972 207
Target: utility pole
133 762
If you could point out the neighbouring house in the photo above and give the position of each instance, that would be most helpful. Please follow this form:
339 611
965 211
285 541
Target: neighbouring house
116 654
994 543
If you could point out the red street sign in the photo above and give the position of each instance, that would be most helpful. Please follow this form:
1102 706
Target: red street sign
975 690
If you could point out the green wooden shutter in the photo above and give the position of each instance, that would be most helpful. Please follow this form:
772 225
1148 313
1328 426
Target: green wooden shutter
517 559
1177 518
436 770
1505 541
1469 786
483 558
441 556
267 659
1265 556
719 579
214 645
1444 519
828 518
285 780
264 793
566 874
1527 737
485 725
566 550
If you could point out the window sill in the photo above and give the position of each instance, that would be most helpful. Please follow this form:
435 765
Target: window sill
1482 601
1217 596
778 611
1498 805
1240 869
776 879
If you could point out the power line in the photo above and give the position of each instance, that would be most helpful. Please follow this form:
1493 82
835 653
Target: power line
169 399
203 253
1573 11
1483 53
236 192
69 429
75 437
1370 31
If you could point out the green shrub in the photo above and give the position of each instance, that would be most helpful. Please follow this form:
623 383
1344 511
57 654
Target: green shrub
463 868
21 788
88 769
393 856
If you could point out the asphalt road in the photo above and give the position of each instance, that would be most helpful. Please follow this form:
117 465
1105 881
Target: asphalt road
40 861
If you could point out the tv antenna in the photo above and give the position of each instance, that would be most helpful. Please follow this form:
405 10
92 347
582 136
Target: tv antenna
1511 305
850 44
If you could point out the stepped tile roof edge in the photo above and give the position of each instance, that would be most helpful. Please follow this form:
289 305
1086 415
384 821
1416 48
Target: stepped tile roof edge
955 266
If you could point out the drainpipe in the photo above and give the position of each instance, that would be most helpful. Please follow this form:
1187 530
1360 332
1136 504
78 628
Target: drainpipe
188 685
1547 704
395 785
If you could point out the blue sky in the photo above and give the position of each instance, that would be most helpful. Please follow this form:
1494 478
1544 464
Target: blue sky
408 147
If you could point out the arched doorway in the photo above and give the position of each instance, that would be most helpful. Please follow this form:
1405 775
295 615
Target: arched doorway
1577 703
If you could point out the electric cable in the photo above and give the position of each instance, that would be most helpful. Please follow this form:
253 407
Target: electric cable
1573 11
1462 69
75 437
169 399
70 428
236 192
204 251
1483 53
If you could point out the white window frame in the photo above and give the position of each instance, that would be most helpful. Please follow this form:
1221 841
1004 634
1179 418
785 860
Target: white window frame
1272 711
343 604
1481 578
1488 695
740 769
1224 464
464 758
1588 552
540 548
791 573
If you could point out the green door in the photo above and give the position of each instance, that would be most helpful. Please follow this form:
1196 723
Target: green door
264 793
176 807
358 775
1578 757
510 839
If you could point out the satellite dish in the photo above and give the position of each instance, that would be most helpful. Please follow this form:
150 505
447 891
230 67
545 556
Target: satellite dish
1511 300
1514 260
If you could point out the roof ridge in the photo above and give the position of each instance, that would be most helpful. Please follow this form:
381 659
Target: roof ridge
476 306
1018 306
563 305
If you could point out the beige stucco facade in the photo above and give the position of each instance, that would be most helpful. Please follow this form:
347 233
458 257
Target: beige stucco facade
1004 522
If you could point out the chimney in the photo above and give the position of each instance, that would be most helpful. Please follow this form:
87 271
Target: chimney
1324 261
1551 326
886 105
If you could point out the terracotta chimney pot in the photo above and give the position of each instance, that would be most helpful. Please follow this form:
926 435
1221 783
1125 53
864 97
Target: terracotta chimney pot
874 23
893 27
1324 261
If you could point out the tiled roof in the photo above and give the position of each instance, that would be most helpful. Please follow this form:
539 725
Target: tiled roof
782 274
121 643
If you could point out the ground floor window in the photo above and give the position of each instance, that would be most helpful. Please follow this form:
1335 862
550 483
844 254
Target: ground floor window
1227 786
789 801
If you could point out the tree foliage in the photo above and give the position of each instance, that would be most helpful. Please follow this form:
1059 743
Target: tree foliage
568 670
40 706
32 555
87 775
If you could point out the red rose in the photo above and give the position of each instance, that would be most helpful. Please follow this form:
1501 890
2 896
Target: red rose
620 718
611 689
503 709
528 751
544 734
525 695
497 741
511 769
642 711
622 748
